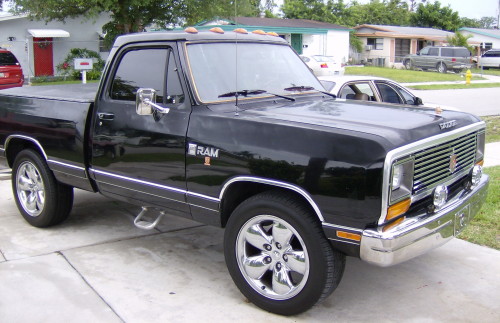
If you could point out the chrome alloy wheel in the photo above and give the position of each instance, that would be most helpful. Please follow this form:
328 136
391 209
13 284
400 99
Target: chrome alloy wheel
30 189
272 257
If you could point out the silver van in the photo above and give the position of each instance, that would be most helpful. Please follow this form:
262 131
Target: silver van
490 59
441 58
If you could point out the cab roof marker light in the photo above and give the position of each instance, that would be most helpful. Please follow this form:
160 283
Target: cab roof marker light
272 33
217 30
259 32
241 31
191 30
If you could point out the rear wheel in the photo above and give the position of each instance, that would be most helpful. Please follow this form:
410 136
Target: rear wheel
41 200
407 64
441 67
278 255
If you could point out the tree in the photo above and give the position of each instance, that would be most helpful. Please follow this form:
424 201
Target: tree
434 16
469 22
460 40
487 22
126 16
199 10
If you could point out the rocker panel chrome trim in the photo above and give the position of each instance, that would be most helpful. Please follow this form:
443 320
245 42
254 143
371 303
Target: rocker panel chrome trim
164 187
274 183
341 227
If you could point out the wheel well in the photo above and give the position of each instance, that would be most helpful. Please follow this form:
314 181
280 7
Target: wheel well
16 145
240 191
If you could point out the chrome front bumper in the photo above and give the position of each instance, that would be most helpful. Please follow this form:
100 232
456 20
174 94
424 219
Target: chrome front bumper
417 235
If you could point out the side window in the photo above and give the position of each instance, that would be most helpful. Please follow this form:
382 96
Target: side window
407 97
388 94
142 68
433 52
424 51
346 93
447 52
175 95
352 91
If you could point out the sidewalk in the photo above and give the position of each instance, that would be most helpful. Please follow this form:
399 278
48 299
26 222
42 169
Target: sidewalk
97 267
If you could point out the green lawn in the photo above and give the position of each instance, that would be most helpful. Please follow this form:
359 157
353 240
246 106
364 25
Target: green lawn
406 76
61 82
453 86
484 229
492 128
495 71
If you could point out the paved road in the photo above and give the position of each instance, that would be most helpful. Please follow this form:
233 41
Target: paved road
481 102
97 267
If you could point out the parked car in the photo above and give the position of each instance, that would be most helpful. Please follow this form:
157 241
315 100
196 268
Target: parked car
11 73
490 59
440 58
323 65
376 89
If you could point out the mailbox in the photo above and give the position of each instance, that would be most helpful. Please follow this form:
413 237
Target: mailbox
83 63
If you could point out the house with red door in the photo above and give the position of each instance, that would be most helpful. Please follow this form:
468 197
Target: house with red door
40 46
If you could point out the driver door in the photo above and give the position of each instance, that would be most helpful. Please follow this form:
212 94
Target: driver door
141 158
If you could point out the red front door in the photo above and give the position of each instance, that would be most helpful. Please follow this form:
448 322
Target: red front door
42 52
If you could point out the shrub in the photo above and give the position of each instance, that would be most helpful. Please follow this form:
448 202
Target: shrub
67 67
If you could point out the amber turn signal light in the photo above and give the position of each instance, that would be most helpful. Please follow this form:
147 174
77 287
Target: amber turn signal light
397 209
348 235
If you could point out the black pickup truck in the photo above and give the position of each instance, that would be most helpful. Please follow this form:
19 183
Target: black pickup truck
233 130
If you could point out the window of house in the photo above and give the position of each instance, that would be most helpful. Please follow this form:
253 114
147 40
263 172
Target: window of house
376 43
103 48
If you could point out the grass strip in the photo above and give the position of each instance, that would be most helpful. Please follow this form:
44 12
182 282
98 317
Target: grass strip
484 229
453 86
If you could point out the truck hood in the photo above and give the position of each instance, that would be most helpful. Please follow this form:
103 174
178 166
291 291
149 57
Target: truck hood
399 125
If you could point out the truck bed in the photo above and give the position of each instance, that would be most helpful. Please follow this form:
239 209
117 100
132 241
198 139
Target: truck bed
68 92
53 120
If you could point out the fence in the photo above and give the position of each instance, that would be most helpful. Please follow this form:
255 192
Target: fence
46 57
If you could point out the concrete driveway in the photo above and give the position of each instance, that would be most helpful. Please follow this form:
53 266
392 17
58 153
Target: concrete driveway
97 267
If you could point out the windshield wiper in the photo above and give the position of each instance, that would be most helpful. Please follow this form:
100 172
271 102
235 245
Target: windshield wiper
303 88
246 93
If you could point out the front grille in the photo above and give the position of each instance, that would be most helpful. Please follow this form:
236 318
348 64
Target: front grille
432 165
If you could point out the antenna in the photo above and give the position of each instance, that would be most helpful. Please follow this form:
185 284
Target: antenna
236 111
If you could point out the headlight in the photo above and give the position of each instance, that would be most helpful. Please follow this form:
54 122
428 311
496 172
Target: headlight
401 180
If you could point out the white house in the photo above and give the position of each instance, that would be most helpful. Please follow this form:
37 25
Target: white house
40 46
307 37
490 37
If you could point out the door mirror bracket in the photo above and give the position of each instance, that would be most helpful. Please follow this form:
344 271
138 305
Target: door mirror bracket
145 102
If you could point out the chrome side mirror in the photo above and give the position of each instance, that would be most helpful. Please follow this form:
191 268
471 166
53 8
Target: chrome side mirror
145 102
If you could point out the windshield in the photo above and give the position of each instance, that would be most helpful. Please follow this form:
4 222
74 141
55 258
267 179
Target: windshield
269 67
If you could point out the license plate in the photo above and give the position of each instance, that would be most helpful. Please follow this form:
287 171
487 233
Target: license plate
462 218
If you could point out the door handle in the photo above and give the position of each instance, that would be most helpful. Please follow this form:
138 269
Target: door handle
106 116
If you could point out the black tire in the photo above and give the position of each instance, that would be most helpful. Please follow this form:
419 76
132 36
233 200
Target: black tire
458 70
42 200
308 276
408 64
441 67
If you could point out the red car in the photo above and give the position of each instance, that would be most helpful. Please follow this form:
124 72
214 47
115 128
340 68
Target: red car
11 73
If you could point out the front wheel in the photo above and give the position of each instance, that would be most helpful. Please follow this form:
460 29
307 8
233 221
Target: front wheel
41 200
278 255
441 67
